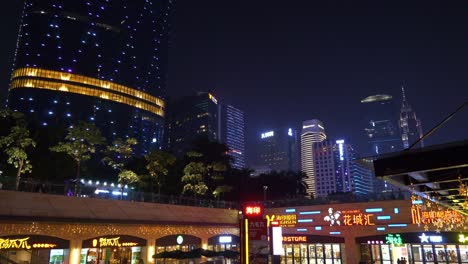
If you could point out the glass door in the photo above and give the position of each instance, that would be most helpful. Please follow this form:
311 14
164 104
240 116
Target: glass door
428 254
417 254
386 254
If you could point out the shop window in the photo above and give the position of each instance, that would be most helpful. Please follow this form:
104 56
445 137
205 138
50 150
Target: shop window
464 253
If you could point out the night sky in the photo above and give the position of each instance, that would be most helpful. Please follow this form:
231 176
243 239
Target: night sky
285 63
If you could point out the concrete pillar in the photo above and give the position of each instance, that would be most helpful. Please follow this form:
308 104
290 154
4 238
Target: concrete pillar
75 251
352 250
150 250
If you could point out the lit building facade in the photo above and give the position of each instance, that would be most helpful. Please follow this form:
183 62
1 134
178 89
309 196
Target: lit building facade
410 125
192 117
97 61
381 124
278 149
312 132
332 167
363 176
233 134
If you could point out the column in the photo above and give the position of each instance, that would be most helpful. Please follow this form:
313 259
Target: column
75 251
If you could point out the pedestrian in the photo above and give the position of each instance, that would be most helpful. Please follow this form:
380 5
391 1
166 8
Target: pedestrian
398 261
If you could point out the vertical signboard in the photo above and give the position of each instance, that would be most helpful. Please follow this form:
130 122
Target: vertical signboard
255 235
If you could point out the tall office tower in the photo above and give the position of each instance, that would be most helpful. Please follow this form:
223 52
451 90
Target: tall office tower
192 117
233 134
98 61
381 119
362 173
332 167
278 149
312 132
410 125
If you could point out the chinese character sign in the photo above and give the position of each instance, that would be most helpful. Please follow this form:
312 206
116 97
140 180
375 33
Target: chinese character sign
358 219
394 239
251 211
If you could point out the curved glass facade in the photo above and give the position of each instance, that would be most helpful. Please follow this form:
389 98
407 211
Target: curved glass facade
98 61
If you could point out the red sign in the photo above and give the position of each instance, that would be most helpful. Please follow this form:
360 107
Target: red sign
251 211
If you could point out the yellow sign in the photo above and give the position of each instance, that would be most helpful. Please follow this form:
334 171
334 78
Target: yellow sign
419 216
462 238
20 243
294 239
284 220
112 242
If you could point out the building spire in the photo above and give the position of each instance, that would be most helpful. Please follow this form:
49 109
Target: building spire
403 92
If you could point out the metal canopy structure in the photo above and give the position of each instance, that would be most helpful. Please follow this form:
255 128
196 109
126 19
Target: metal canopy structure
438 173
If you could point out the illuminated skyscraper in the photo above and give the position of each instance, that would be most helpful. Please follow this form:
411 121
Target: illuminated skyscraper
410 125
278 149
233 134
381 124
363 177
98 61
332 167
312 132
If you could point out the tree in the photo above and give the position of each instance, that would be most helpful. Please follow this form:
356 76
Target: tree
80 144
194 174
158 163
118 155
16 145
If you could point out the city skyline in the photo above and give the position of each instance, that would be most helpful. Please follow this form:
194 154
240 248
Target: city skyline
308 63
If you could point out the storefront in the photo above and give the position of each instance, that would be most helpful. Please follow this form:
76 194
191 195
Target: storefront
415 248
27 249
115 249
224 242
183 243
312 249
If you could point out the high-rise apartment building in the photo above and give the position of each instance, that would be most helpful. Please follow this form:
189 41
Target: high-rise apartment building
410 125
278 149
312 132
233 134
98 61
381 124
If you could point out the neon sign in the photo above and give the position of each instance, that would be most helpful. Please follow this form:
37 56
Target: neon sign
294 239
431 239
358 219
394 239
112 242
20 243
418 216
283 220
253 211
268 134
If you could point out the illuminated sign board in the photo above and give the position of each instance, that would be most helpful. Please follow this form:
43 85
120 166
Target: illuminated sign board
394 239
251 211
225 239
277 240
349 218
420 216
340 148
283 220
462 238
180 239
32 242
430 239
113 241
294 239
268 134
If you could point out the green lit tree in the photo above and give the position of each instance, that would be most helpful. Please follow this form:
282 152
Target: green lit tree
194 174
119 154
158 163
16 145
80 144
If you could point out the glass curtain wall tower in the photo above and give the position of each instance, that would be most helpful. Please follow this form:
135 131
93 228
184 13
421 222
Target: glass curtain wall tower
312 132
97 61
